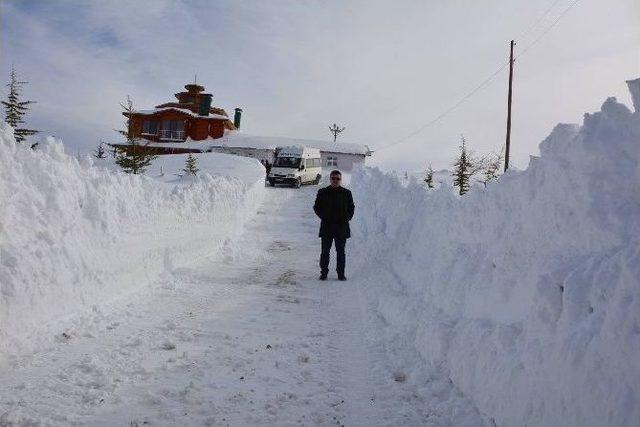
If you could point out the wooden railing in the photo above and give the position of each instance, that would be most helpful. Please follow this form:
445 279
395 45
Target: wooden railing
172 135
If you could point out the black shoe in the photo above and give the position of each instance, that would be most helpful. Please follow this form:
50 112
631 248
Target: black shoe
323 276
342 277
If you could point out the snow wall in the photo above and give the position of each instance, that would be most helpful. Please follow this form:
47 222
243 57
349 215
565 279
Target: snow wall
528 291
74 236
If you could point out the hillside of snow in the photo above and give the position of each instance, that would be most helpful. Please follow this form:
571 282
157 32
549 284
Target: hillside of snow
75 236
528 292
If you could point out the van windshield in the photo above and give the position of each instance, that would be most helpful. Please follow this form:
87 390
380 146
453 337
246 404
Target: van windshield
287 162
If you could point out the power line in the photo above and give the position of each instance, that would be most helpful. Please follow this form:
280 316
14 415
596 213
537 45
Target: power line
450 109
535 24
534 42
491 77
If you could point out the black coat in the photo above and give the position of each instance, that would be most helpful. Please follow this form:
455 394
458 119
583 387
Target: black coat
335 208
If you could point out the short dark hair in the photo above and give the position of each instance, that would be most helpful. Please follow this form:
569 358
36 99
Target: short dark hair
335 172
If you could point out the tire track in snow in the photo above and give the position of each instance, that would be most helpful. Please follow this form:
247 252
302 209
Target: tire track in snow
350 365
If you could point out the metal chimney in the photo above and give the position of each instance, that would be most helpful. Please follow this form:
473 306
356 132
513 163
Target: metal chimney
237 117
205 104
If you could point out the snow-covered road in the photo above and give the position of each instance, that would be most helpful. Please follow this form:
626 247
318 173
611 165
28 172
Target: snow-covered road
248 338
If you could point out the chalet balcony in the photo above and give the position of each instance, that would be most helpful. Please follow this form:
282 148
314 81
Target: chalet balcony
171 135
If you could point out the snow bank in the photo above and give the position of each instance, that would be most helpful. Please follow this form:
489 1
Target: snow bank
240 139
528 292
169 167
73 235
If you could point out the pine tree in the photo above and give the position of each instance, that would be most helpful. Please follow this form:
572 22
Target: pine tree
429 177
191 165
134 158
493 166
465 166
100 151
15 110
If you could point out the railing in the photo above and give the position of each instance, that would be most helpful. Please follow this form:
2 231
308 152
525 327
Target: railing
172 135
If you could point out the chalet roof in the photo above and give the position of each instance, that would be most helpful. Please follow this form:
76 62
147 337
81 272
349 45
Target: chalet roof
194 88
194 108
180 110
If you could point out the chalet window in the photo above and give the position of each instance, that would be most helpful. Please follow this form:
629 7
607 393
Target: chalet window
149 127
332 161
172 130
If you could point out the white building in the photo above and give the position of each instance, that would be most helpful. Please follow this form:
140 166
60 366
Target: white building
339 155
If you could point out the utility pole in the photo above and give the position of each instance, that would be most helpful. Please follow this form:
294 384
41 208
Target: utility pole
508 142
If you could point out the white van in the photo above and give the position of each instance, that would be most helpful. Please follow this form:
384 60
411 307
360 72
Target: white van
296 165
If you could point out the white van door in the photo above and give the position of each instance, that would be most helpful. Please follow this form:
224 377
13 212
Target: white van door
303 172
315 169
308 170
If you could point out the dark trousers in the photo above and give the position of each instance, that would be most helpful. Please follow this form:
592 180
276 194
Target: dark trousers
324 256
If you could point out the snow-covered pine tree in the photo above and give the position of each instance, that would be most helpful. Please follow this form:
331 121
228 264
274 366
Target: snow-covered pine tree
100 152
464 168
134 158
429 177
191 165
15 109
493 166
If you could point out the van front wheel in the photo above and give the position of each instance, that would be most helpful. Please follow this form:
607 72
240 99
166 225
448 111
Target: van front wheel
298 183
317 180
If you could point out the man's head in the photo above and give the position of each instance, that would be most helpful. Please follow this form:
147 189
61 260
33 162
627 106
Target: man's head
336 177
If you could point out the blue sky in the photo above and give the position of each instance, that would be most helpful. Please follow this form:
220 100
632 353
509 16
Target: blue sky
382 69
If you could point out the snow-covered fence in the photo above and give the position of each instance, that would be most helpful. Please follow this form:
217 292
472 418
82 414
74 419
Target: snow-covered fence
74 236
528 291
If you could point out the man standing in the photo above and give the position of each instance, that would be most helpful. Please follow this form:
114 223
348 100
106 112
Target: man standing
334 206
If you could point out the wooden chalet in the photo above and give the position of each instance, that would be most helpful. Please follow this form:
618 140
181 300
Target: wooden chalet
172 127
